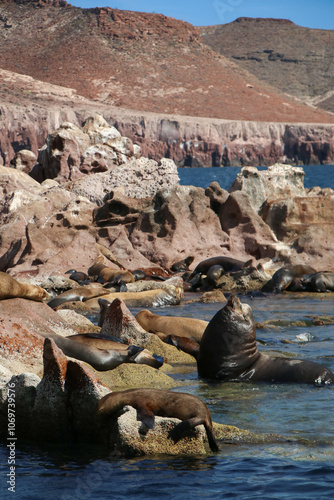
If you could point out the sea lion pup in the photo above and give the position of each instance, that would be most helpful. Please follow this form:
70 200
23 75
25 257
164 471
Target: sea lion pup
172 325
157 402
141 356
10 288
81 294
104 274
286 278
321 282
228 352
80 277
182 265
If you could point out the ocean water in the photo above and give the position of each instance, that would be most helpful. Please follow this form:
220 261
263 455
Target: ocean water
315 175
302 468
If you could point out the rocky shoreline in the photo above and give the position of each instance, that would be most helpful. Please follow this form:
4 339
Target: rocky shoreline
91 195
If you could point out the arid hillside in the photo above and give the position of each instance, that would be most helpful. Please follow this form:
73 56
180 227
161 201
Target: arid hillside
144 62
296 60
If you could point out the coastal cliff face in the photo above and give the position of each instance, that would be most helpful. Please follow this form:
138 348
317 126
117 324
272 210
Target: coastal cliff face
189 141
154 79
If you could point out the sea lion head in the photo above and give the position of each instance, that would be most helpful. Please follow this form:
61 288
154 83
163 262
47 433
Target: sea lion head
228 345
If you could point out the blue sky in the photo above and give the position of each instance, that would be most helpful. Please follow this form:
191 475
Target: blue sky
309 13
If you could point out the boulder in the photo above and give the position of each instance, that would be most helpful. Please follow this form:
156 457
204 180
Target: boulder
139 178
120 322
24 160
179 222
61 157
249 235
276 182
21 390
126 439
50 411
99 130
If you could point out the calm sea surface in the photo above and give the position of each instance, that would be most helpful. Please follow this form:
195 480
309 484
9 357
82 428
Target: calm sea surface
301 469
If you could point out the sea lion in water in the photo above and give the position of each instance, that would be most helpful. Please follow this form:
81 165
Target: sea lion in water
10 288
105 342
286 278
157 402
171 325
228 352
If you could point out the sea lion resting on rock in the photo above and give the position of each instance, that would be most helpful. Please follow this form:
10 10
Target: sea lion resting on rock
169 325
81 293
100 359
10 288
150 402
141 356
105 274
227 264
228 352
287 278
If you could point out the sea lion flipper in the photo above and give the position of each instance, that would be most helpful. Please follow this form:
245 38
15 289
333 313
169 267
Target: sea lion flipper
146 416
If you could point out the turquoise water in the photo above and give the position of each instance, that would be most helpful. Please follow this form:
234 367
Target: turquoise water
300 469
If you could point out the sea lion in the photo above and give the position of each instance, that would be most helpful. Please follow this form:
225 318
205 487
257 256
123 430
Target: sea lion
172 325
82 293
322 282
184 344
228 265
104 274
182 265
145 298
228 352
80 277
157 402
106 342
214 273
11 288
287 278
100 359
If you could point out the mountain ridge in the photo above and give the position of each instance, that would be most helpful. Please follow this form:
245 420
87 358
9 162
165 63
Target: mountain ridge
147 62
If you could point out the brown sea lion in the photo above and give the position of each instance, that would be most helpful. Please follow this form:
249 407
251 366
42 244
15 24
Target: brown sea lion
142 356
157 402
228 352
172 325
104 274
287 278
145 298
82 293
11 288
